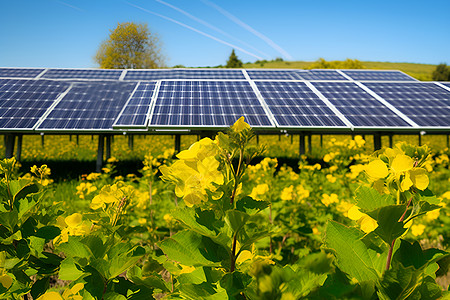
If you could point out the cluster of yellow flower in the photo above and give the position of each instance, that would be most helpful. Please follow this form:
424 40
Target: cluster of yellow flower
68 294
72 225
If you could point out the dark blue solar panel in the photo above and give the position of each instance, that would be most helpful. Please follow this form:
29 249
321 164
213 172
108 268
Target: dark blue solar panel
293 104
375 75
20 72
23 102
274 74
360 108
207 103
447 84
89 106
98 74
137 108
426 104
184 74
321 75
150 74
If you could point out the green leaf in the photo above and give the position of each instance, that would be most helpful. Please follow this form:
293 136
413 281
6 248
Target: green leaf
48 232
236 220
22 188
40 287
387 217
36 245
95 244
411 254
75 248
251 206
68 270
204 291
151 281
114 296
235 282
195 277
120 263
369 199
191 249
94 282
353 257
9 219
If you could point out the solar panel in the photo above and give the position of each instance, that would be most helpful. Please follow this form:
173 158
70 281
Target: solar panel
150 75
447 84
359 107
426 104
372 75
273 74
208 104
98 74
89 106
321 75
23 102
294 104
134 113
210 74
20 72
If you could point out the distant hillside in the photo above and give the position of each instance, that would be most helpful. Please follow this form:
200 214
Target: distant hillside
418 71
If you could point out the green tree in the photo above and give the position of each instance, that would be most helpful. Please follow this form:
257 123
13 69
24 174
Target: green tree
233 61
130 46
442 73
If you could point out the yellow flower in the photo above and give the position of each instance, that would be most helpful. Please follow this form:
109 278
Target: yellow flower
259 190
73 220
168 218
331 178
329 199
50 296
377 169
286 193
366 223
432 215
402 163
417 230
240 125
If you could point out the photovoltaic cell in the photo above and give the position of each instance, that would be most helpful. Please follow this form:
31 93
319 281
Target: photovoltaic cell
372 75
150 75
136 109
274 75
99 74
426 104
89 106
184 74
23 102
321 75
294 104
20 72
447 84
360 108
208 104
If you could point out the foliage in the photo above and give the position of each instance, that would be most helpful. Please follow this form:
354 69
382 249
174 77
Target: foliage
233 61
130 46
442 73
347 64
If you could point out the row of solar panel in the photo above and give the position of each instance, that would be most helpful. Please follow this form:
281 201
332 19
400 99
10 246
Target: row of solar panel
95 106
204 74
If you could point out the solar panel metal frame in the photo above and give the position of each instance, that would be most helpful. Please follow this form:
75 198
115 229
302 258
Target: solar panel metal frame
36 75
37 118
48 72
182 74
39 128
203 127
417 126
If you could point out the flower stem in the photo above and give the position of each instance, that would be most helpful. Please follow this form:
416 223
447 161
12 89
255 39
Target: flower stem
233 254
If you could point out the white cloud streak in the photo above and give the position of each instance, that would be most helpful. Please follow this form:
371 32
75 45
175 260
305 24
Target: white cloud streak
250 29
210 26
69 5
196 30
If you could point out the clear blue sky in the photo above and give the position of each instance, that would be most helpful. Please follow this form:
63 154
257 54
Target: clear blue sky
67 33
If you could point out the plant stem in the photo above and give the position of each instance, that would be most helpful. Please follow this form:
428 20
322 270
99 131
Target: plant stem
237 176
233 254
391 248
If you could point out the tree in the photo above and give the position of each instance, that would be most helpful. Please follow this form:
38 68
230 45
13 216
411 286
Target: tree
233 61
130 46
441 73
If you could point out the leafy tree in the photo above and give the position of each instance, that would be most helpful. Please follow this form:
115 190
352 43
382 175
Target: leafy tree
442 73
130 46
233 61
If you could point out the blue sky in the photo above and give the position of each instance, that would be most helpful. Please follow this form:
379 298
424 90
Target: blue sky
67 33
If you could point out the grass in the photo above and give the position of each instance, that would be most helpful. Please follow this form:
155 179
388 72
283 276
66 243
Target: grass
419 71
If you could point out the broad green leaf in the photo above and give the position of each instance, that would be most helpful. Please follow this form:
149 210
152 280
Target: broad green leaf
121 263
353 257
369 199
114 296
411 254
68 270
387 217
151 281
235 282
9 219
191 249
25 207
22 188
48 232
236 220
94 282
195 277
95 244
75 248
251 206
40 287
36 245
204 291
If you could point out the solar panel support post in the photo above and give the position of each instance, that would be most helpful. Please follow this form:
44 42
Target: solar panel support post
42 140
78 139
108 147
177 143
19 147
391 140
10 139
131 142
420 140
321 141
309 143
257 139
376 141
101 146
448 141
302 144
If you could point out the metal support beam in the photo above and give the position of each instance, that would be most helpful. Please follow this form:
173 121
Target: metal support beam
448 141
302 144
19 147
177 143
108 146
42 140
309 143
257 139
321 141
420 139
131 142
101 146
9 145
376 141
391 140
78 139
